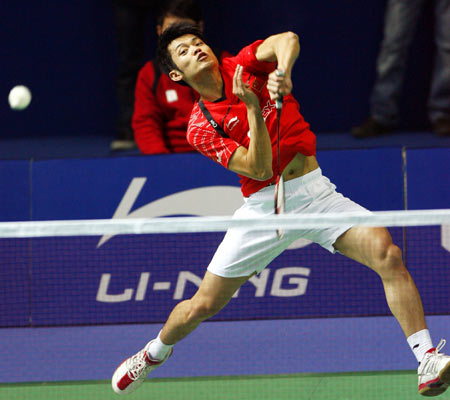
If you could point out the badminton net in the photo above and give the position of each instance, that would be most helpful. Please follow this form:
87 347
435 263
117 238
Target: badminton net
103 282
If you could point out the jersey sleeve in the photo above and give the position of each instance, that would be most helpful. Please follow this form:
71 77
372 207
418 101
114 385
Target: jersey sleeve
204 138
246 57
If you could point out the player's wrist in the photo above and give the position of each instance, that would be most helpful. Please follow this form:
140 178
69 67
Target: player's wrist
284 71
253 105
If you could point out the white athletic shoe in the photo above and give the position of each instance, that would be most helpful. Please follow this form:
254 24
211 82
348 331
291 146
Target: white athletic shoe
434 372
132 372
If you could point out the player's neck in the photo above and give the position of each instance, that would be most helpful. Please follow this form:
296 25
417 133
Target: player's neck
210 87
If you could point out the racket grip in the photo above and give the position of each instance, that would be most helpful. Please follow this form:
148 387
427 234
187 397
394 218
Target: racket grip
279 101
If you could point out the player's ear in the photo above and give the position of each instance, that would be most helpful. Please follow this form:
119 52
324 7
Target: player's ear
176 75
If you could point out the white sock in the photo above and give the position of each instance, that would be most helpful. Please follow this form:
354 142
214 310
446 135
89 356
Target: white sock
158 350
420 342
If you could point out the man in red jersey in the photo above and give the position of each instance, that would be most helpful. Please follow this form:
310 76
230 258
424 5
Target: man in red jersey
234 123
162 107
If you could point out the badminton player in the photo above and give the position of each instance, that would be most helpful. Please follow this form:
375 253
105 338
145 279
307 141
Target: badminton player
234 124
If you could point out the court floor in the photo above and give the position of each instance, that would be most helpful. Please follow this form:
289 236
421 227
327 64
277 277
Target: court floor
392 385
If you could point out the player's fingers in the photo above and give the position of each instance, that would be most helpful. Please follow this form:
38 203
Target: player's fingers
274 96
272 86
242 86
274 77
274 90
236 88
238 84
239 76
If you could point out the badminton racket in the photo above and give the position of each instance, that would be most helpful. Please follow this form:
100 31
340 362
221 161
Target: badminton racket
279 183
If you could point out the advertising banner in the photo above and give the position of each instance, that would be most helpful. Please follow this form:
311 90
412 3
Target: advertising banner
140 278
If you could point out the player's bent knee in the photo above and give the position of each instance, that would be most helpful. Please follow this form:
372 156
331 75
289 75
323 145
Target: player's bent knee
390 262
394 255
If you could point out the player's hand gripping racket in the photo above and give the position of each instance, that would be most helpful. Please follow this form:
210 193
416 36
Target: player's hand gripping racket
279 183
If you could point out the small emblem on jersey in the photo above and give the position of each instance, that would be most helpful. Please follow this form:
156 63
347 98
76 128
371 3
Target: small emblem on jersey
267 109
171 95
232 123
248 134
258 84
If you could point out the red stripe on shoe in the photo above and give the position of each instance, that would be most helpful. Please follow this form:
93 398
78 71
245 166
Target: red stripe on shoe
124 382
149 361
426 384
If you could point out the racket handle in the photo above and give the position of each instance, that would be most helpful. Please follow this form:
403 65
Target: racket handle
279 101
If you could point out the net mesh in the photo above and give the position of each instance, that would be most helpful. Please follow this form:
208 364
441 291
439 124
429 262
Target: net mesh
80 296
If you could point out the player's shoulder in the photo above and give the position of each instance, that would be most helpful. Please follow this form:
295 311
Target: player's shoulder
250 48
198 122
197 118
229 63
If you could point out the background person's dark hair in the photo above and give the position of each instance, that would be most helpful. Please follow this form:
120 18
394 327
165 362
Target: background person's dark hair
186 9
170 34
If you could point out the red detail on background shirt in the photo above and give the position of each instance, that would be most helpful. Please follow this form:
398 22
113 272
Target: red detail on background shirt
295 135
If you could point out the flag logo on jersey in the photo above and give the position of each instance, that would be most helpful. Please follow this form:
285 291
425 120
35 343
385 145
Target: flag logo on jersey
232 123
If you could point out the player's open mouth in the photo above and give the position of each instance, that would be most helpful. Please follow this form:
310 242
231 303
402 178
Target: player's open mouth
202 56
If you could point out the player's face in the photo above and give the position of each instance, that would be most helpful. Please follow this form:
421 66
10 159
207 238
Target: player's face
192 56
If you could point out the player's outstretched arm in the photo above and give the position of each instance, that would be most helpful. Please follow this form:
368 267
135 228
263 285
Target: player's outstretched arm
283 49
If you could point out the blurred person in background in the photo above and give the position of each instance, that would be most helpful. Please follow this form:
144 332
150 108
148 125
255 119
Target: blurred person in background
162 107
401 20
131 23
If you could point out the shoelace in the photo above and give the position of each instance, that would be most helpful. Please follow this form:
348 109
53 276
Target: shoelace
136 365
435 353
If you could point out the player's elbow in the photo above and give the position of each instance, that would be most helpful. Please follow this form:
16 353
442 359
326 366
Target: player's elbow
291 41
289 35
263 174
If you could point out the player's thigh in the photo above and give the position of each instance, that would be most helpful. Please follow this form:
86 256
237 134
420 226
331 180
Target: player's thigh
216 291
367 245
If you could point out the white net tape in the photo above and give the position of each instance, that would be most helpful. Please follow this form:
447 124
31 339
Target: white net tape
101 227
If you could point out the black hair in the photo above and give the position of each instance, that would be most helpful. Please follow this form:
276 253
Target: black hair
168 36
186 9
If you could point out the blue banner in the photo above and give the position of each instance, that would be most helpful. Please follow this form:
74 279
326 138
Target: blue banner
428 177
135 279
15 186
15 271
141 278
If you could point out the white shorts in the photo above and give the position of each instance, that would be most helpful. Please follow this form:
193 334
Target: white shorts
245 252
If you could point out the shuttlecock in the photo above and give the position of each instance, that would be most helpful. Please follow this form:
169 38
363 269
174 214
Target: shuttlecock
19 97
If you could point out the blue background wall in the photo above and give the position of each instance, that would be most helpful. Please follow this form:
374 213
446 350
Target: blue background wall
65 52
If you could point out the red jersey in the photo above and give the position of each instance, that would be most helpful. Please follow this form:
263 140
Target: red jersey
161 112
231 114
